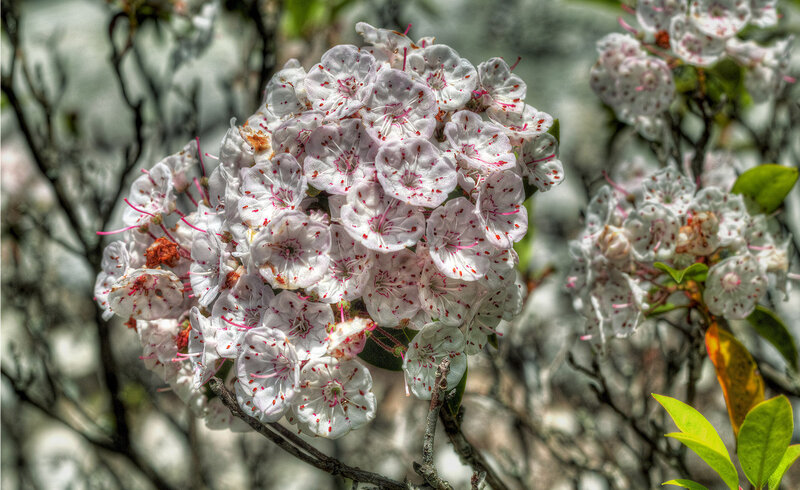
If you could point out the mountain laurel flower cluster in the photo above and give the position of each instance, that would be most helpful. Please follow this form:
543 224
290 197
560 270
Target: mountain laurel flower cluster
634 72
631 241
380 191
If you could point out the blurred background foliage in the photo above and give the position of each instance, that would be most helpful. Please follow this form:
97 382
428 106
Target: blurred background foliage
95 90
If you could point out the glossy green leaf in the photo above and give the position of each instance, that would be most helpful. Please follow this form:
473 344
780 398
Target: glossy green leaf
695 272
770 326
454 397
685 78
699 435
524 247
764 437
665 308
375 349
684 483
789 457
767 185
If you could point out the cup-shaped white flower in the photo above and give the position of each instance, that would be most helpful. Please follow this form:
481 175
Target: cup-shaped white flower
499 88
340 83
392 295
202 347
239 309
292 136
304 322
271 187
670 188
346 339
292 251
348 271
719 18
210 267
472 143
334 397
339 156
413 171
378 221
503 303
523 125
285 91
655 15
646 87
152 194
116 261
734 286
729 212
457 242
425 352
450 77
653 231
268 374
693 45
159 341
500 209
147 294
444 298
399 108
763 13
540 163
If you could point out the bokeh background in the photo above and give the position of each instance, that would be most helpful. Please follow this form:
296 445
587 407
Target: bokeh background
102 88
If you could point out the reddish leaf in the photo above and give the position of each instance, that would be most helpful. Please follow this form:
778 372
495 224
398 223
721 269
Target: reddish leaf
737 373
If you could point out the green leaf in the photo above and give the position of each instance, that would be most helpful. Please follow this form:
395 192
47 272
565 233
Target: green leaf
770 326
766 184
665 308
695 272
764 437
719 462
699 435
685 78
375 351
789 457
524 247
684 483
454 396
555 130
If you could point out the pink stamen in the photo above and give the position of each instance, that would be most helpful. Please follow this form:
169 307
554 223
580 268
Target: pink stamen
582 337
550 157
166 232
151 356
640 88
627 26
405 53
465 247
628 9
213 157
192 226
117 231
407 29
200 189
234 324
620 306
200 155
191 198
510 212
789 79
614 184
519 58
341 312
137 209
755 247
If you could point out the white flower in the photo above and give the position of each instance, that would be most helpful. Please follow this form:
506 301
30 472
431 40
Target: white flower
340 155
380 222
474 144
340 83
348 271
456 240
426 351
645 86
292 251
670 188
210 267
500 209
763 13
539 162
268 374
292 136
286 90
444 298
399 108
152 194
655 15
734 287
653 231
413 171
115 262
271 187
392 295
692 45
719 18
451 78
499 88
334 397
304 322
147 294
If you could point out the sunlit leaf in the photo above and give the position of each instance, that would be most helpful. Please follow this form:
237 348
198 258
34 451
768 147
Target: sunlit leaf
737 374
395 339
770 326
764 437
789 457
699 435
665 308
684 483
695 272
766 184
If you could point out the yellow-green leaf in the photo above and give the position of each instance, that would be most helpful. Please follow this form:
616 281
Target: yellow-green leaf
764 437
696 272
789 457
719 462
766 184
737 374
684 483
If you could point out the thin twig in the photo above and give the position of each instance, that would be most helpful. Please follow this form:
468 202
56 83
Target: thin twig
427 469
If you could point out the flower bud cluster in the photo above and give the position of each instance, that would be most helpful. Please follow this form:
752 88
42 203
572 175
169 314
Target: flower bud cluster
614 281
634 72
381 190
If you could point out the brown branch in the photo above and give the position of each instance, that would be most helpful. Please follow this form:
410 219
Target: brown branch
292 444
427 469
